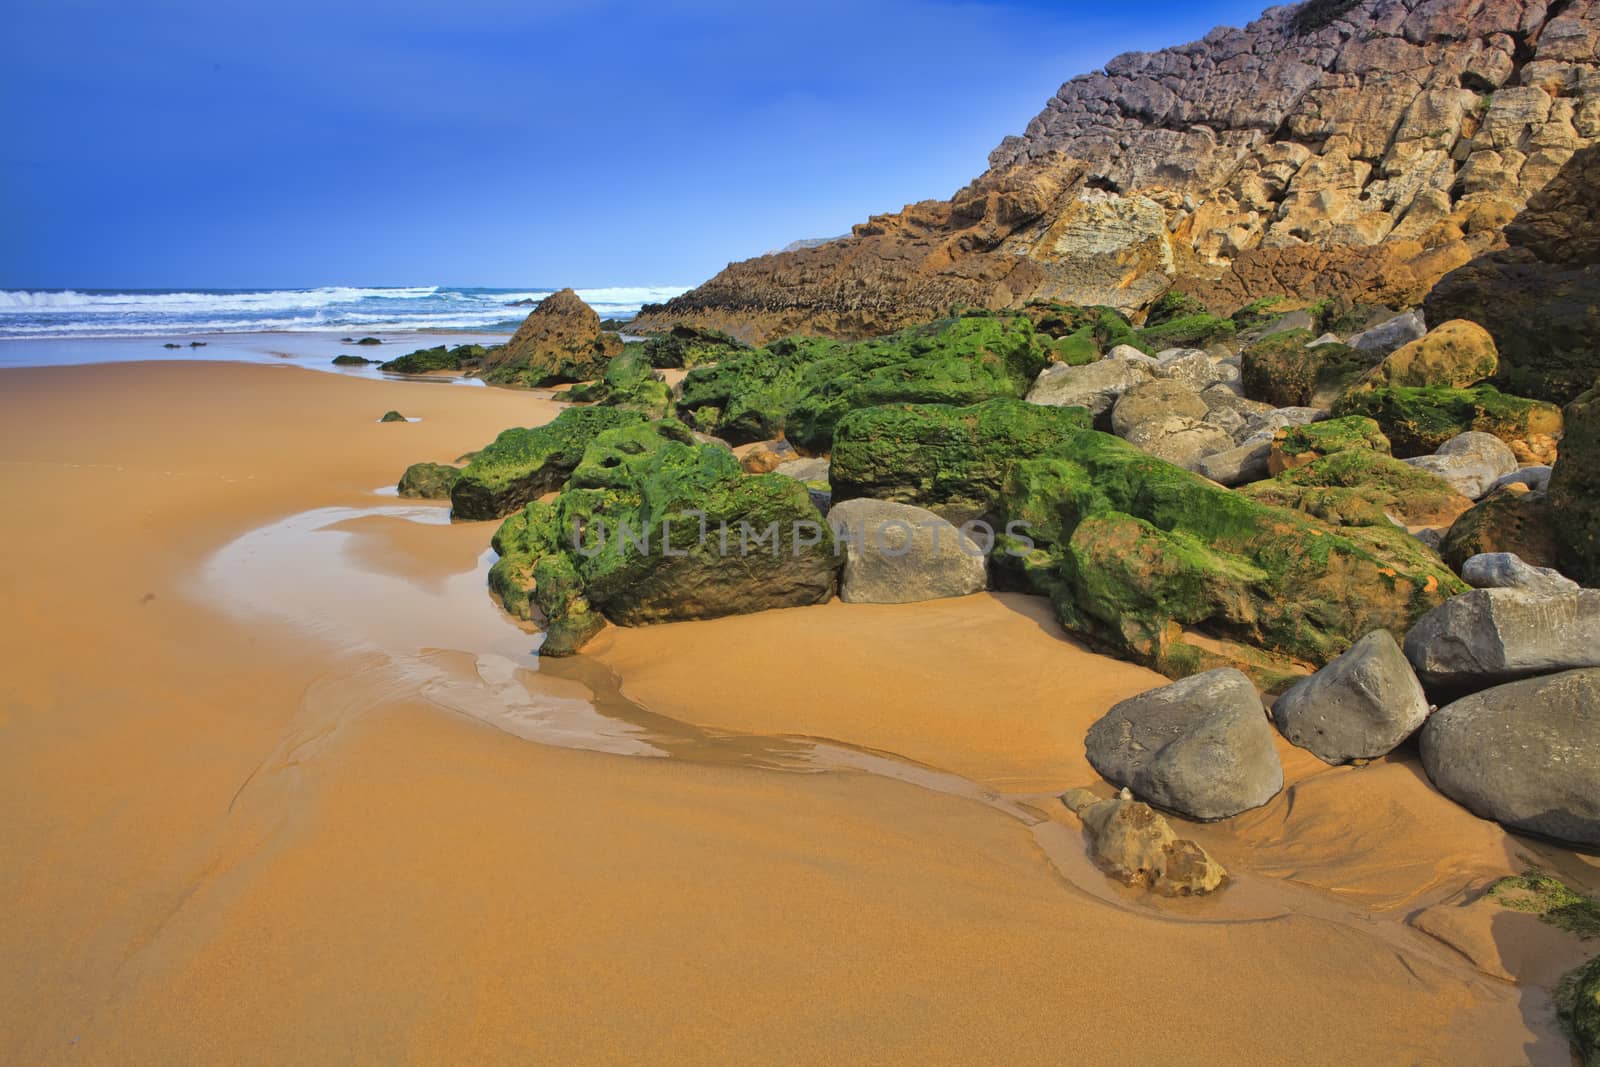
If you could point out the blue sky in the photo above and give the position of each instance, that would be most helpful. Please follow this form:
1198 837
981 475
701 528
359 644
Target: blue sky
505 142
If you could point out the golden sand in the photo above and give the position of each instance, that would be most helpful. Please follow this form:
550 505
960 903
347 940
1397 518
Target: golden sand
276 791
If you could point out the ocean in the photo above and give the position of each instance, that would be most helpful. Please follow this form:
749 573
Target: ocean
175 313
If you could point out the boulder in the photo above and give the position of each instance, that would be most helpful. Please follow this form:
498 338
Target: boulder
654 526
1135 844
1509 519
560 341
1362 487
807 471
801 387
689 346
1526 755
1128 352
1504 570
1094 386
1360 706
901 554
1295 446
428 360
1470 462
1577 999
1389 335
428 481
1201 747
346 360
524 464
392 416
629 382
950 460
1453 355
1490 636
1287 371
1418 420
1272 420
1239 465
1535 478
1179 439
1169 569
1156 400
1575 491
1195 369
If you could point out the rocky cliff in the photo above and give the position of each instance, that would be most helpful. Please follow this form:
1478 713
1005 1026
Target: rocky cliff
1356 148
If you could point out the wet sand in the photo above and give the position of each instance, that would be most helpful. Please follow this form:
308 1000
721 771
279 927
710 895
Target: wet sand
280 786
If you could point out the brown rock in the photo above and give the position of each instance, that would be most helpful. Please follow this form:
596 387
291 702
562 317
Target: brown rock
1507 520
560 341
1455 354
1136 845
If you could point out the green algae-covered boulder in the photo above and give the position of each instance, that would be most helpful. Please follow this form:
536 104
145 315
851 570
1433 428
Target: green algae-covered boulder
425 360
1187 331
393 416
1362 487
1286 370
523 464
629 382
1082 335
1454 355
347 360
949 460
1418 419
655 526
691 346
801 387
1176 572
1577 999
1295 446
1575 490
428 481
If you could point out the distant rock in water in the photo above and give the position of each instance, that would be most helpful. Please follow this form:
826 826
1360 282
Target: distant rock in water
1361 148
169 344
560 341
351 361
197 344
369 341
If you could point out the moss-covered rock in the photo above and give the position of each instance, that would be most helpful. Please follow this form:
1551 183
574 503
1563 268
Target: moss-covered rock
523 464
655 526
1286 370
437 358
1506 520
1454 355
801 387
347 360
1575 490
560 341
1140 556
1295 446
429 481
392 416
691 346
1363 487
1260 312
1175 305
1187 331
629 382
1551 899
1577 999
1417 420
949 460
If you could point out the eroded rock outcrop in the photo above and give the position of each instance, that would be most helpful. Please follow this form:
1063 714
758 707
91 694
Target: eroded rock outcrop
1365 149
559 341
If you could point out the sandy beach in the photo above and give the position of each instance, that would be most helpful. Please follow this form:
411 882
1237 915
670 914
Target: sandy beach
282 784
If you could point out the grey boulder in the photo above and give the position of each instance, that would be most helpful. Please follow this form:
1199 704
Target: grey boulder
1490 636
1179 439
1201 747
1387 336
1526 755
1360 706
1507 570
1095 386
900 554
1471 462
1536 478
1238 465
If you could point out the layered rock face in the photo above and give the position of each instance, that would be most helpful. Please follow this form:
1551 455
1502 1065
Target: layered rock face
1362 149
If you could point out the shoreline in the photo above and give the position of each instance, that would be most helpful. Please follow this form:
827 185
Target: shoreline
428 886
